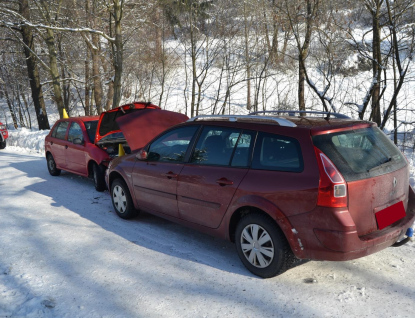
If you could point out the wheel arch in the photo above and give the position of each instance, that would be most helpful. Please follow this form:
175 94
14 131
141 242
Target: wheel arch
90 165
282 223
118 175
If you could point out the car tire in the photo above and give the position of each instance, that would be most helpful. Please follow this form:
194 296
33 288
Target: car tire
261 246
121 200
98 174
2 144
52 166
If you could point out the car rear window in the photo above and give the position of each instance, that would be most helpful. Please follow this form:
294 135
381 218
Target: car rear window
361 153
278 153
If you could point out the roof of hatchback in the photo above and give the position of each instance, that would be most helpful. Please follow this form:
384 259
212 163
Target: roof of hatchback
82 118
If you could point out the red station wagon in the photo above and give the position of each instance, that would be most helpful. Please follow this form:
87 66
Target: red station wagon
85 145
283 188
3 136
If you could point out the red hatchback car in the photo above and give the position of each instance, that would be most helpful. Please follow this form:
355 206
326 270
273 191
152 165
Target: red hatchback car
3 136
85 145
283 188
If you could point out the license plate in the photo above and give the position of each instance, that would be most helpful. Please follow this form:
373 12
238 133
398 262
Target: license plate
390 215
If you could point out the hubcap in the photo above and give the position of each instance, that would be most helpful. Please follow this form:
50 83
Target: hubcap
257 245
119 199
51 164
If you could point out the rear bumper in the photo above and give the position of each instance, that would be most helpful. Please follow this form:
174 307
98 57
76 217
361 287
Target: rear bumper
335 237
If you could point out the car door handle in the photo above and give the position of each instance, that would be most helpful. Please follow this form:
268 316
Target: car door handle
51 143
223 182
66 146
170 175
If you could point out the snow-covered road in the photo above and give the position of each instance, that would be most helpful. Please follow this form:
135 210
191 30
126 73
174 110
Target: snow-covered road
65 253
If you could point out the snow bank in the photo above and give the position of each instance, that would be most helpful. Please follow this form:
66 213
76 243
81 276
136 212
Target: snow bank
27 140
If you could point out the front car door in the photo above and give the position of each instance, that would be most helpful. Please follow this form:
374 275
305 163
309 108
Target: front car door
155 180
208 182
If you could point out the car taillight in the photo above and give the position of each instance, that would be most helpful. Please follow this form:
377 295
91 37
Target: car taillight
332 190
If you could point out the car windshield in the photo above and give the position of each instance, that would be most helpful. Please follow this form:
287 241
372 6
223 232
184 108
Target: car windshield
91 128
361 153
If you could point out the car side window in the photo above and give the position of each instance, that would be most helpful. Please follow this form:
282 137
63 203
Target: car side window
172 146
280 153
221 145
241 156
75 131
60 130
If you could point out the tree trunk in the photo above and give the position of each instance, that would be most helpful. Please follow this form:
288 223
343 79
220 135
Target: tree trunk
96 76
159 37
32 69
87 87
376 65
54 71
301 85
118 52
304 52
66 87
247 61
110 90
11 108
193 57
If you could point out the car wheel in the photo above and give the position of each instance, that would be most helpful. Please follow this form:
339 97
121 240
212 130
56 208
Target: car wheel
99 177
261 246
52 166
2 144
121 200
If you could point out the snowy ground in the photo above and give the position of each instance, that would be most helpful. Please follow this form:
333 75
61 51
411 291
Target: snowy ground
65 253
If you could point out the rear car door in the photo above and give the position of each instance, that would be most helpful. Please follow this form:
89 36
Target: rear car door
155 180
58 143
75 153
218 164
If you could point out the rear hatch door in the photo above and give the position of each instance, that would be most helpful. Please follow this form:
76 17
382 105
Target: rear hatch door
376 173
141 127
107 124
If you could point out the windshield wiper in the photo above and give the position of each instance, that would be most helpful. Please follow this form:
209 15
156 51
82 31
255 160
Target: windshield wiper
380 165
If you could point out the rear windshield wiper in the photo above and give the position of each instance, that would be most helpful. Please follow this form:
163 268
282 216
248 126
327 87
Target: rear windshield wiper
380 165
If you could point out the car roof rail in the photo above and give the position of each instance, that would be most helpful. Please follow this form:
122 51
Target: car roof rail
280 121
293 112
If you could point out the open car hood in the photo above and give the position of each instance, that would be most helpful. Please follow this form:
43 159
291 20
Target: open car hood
141 127
107 123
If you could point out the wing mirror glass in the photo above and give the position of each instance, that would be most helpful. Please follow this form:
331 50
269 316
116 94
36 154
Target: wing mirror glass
142 155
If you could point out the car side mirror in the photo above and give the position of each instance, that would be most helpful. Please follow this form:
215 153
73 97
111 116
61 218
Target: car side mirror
142 155
78 141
